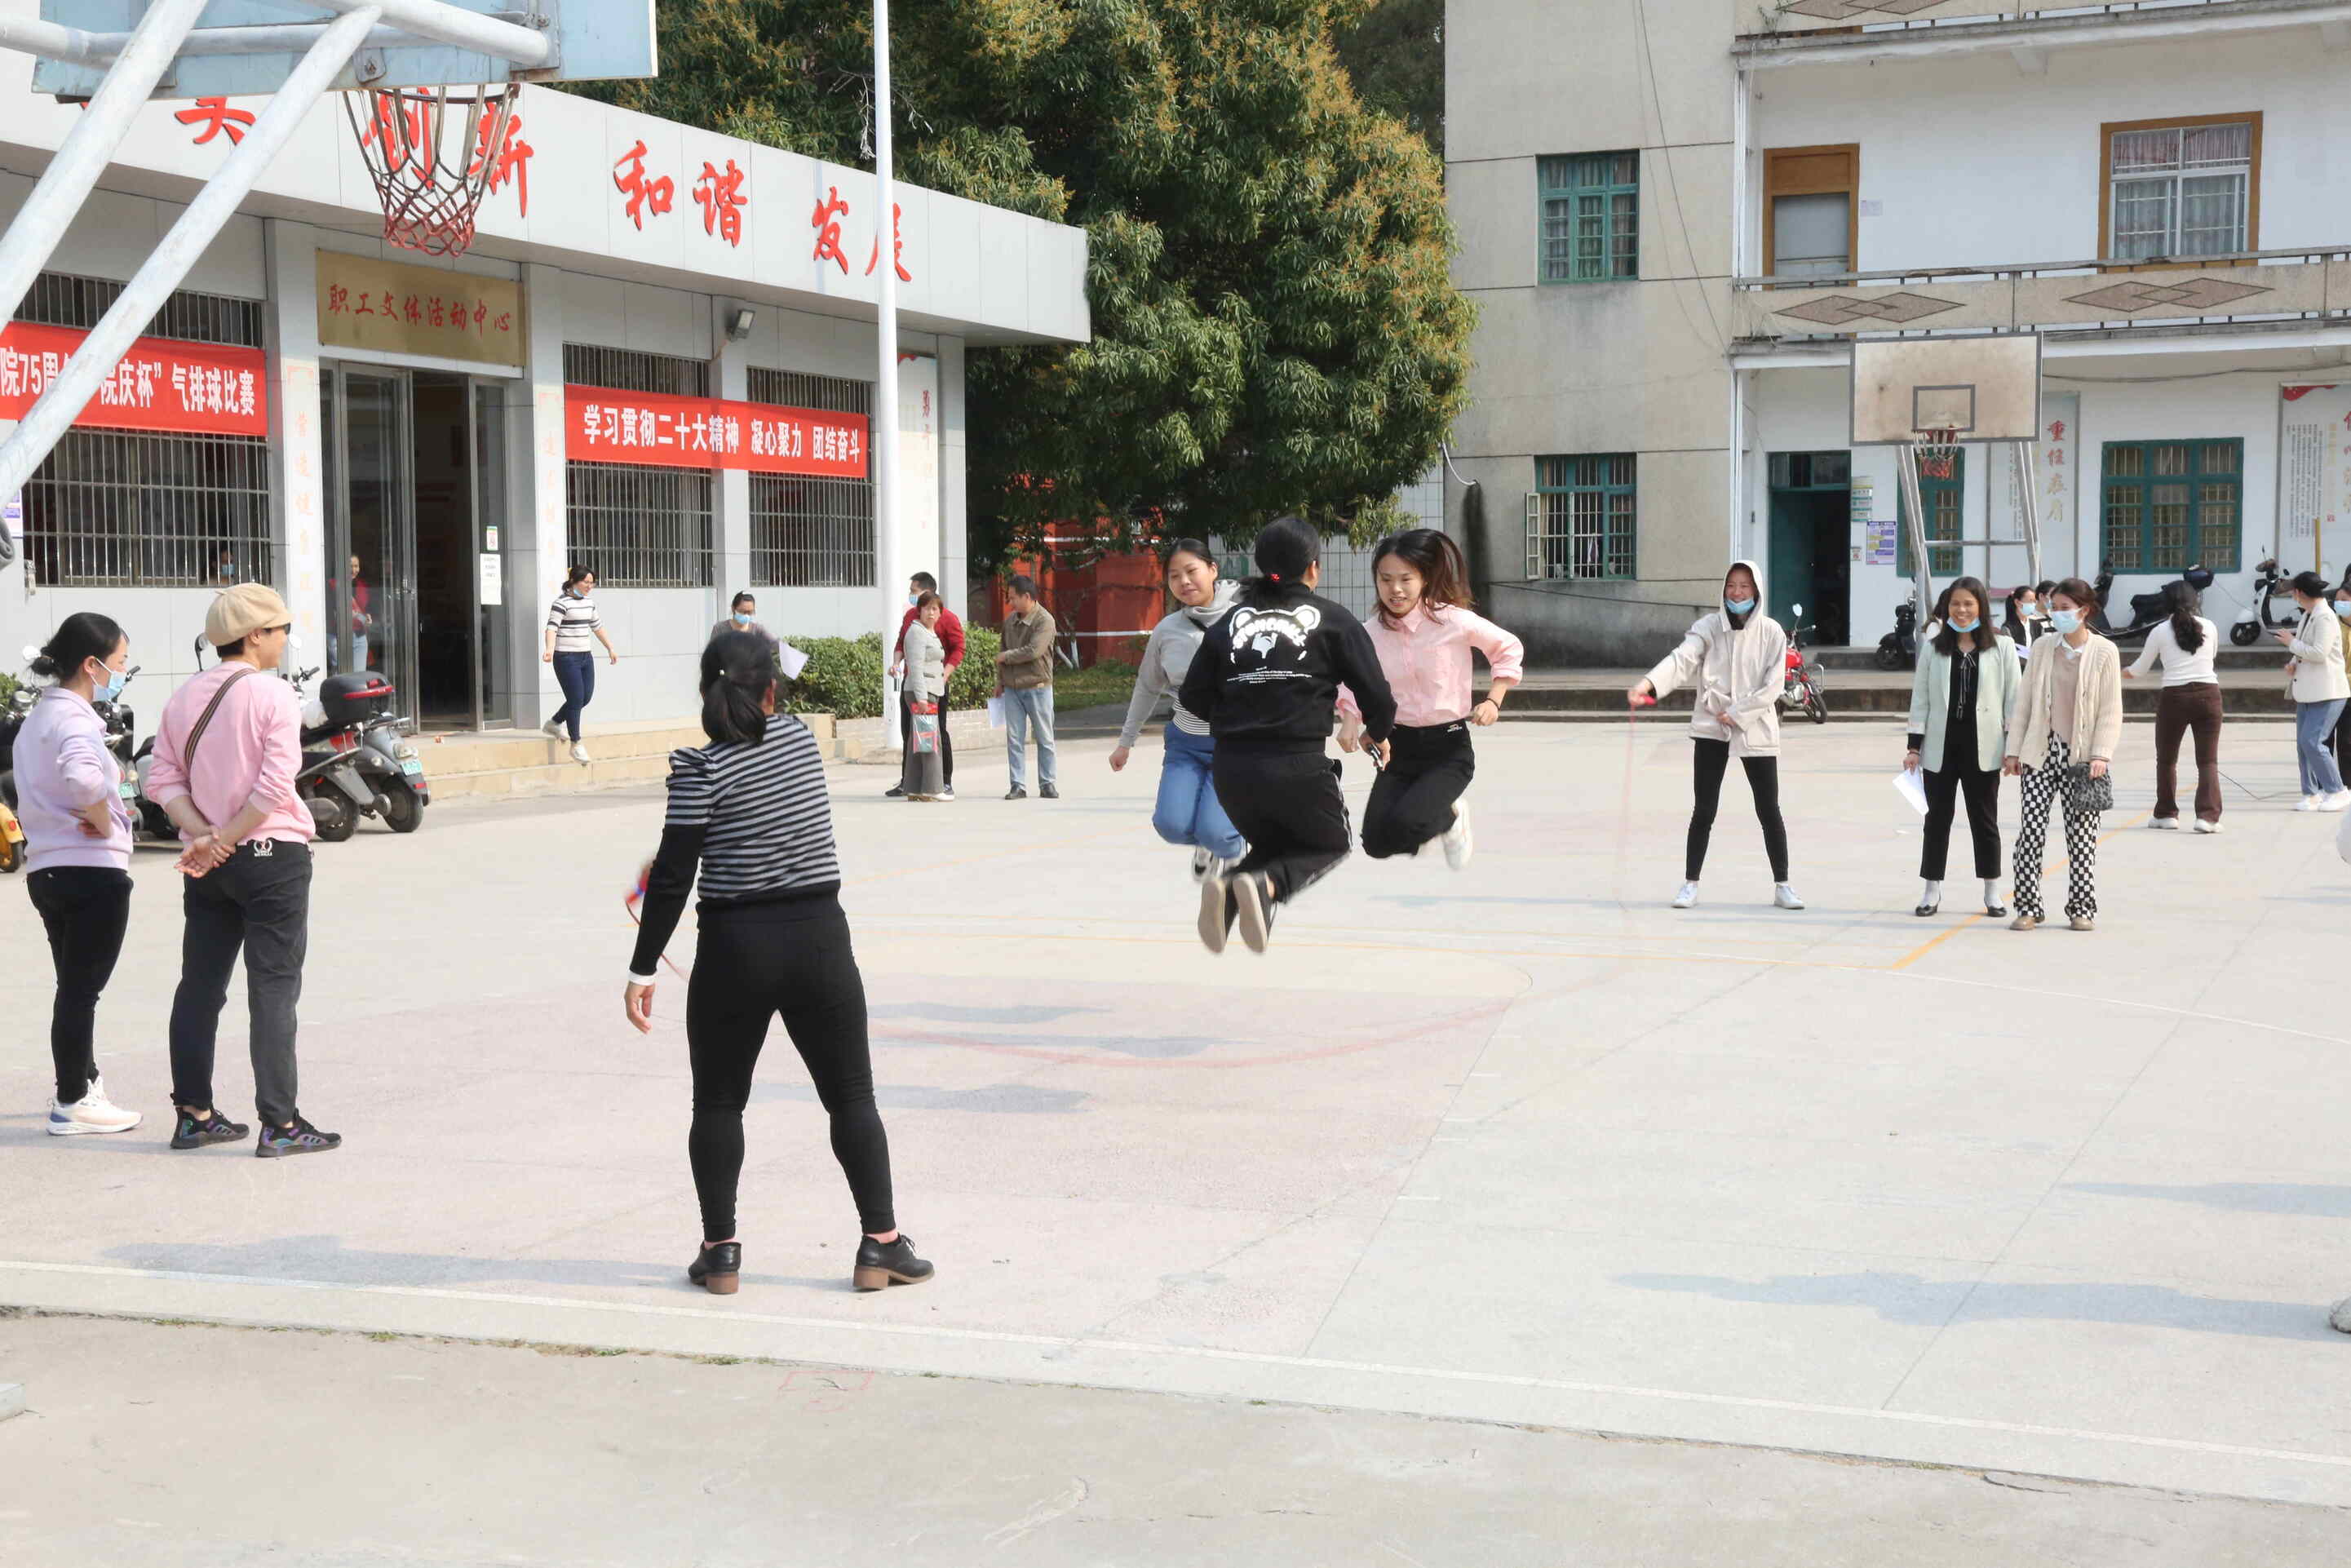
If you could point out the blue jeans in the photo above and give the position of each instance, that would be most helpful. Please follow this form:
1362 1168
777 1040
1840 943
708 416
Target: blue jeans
1028 709
2312 721
1187 812
576 673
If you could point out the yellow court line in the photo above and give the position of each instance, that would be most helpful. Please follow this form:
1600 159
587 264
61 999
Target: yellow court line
1929 945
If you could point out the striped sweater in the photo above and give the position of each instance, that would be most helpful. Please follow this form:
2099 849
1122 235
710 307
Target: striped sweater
575 620
753 817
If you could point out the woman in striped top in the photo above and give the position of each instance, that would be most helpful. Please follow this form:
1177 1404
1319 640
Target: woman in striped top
572 620
750 810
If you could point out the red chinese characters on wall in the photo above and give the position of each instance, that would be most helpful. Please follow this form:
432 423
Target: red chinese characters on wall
603 425
721 201
826 224
509 160
628 179
897 249
458 314
189 389
216 116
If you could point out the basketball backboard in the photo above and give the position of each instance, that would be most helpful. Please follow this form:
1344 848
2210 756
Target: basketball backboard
593 40
1981 389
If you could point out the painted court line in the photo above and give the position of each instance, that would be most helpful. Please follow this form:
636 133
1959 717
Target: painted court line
1064 1345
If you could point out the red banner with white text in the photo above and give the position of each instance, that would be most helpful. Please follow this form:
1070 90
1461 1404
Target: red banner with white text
607 426
187 388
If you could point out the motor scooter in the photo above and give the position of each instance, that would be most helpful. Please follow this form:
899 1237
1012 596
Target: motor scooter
1802 686
2269 585
2148 611
1898 649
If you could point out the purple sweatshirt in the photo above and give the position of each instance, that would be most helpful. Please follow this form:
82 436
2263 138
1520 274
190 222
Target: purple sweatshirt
63 765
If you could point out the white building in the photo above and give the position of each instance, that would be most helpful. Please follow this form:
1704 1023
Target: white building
656 359
1676 215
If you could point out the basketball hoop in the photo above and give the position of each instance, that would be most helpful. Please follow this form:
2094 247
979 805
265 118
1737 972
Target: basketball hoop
1937 454
431 188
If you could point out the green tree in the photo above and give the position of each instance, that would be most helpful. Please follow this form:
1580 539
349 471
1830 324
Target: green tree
1396 56
1275 328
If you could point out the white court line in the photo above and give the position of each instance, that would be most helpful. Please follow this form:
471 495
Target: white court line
1200 1352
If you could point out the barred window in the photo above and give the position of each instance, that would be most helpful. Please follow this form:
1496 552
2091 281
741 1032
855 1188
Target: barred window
1591 209
2171 505
1943 486
122 509
1580 517
808 531
638 524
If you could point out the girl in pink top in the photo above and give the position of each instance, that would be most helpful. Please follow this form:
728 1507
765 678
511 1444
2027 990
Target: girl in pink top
1425 630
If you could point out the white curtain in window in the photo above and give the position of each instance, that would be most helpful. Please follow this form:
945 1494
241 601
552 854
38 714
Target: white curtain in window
1812 233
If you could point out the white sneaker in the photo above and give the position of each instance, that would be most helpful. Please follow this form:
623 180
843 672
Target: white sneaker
1202 863
94 1113
944 795
552 730
2308 802
1457 842
2161 822
2336 802
2204 827
1785 896
578 753
1686 897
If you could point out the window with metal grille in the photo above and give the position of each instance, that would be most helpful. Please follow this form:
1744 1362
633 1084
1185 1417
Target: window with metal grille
2171 504
1591 216
808 531
1940 493
1812 470
64 299
125 509
638 524
1580 519
2190 188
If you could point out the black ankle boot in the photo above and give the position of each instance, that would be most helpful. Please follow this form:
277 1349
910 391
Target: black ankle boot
880 1265
717 1269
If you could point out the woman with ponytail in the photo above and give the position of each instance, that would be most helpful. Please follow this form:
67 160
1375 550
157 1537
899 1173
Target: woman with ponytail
2188 703
78 836
1267 680
749 812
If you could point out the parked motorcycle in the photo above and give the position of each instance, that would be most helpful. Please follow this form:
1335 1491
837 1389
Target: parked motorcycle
2148 611
1898 649
355 761
12 840
2269 585
1802 688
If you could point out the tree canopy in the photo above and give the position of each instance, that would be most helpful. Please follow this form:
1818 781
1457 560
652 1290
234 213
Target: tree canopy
1275 327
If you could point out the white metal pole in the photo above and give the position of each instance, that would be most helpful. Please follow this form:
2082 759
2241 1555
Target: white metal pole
49 419
73 46
883 447
97 131
483 35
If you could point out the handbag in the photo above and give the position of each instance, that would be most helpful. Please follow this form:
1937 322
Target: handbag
2085 796
925 732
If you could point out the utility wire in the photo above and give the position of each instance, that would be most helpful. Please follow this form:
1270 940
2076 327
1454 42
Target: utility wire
1673 187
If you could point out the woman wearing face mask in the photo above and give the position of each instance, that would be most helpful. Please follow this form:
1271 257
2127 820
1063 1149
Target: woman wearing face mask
1186 812
2060 742
926 682
744 616
1960 702
78 836
2025 619
2319 690
2339 741
2189 702
1736 658
1426 628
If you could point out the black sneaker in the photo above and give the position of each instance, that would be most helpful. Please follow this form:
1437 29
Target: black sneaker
1047 792
1016 793
881 1266
717 1268
301 1138
191 1133
896 792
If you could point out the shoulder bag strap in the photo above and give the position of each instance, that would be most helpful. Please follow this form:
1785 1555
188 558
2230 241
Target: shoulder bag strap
188 752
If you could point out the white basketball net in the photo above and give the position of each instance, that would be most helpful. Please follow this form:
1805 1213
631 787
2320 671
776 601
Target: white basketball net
431 153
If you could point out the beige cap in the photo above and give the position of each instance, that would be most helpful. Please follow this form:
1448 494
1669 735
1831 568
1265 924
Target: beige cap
248 607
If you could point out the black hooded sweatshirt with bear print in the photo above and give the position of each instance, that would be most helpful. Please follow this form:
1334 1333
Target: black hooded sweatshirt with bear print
1267 676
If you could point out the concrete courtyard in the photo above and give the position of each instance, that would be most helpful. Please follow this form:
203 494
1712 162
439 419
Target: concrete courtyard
1517 1146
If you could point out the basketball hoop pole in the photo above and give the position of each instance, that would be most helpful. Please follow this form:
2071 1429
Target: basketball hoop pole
1914 526
181 249
882 442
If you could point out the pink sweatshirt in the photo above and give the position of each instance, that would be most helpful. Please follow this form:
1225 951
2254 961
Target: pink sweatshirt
1426 661
250 753
62 767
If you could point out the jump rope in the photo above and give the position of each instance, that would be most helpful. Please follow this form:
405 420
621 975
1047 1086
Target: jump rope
633 900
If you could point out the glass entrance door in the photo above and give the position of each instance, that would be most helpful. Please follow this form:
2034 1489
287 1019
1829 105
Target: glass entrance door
492 656
366 418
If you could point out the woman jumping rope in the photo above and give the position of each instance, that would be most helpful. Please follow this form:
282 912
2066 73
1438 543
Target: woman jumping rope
1186 812
1735 657
1267 680
1425 628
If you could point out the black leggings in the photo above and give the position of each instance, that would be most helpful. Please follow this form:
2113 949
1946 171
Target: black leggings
86 909
754 961
1412 799
1710 761
1981 787
1287 806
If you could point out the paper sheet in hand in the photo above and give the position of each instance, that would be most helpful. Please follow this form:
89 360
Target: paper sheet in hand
791 660
1912 786
996 713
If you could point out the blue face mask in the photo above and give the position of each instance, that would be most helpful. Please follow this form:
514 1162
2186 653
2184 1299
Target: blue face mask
1739 606
1960 625
2067 622
742 618
2342 610
112 687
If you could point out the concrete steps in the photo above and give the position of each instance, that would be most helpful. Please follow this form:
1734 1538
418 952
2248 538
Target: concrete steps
526 762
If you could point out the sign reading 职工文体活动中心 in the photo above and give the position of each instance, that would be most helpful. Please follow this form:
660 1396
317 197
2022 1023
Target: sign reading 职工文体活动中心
386 308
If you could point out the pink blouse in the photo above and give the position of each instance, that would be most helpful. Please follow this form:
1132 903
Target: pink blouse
1427 661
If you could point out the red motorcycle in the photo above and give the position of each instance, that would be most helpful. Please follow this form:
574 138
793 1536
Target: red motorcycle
1803 685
